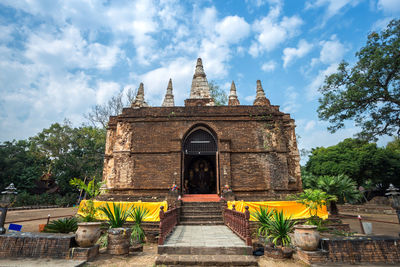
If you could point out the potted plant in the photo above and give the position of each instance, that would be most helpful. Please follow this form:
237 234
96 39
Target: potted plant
138 235
118 239
307 236
88 231
275 227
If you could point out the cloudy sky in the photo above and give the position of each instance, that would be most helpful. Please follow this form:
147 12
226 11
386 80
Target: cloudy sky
59 58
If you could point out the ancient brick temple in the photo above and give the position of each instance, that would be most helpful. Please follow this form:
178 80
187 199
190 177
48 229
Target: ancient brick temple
201 147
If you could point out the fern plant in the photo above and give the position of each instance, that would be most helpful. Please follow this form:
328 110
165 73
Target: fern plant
64 225
116 214
138 215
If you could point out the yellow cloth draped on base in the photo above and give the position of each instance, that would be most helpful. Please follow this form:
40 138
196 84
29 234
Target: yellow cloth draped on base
153 207
290 208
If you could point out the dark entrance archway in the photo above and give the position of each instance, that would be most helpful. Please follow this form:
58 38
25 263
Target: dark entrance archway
200 162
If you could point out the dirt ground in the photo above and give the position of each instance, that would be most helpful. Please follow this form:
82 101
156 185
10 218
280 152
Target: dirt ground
147 257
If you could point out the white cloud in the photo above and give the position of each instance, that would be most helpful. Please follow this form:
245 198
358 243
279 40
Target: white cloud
309 126
232 29
268 66
389 6
291 103
250 98
332 50
333 7
312 88
291 53
272 31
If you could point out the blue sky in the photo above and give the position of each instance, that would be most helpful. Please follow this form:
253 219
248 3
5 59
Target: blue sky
59 58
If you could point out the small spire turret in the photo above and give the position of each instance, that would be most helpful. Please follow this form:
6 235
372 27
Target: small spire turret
233 99
261 99
139 99
169 97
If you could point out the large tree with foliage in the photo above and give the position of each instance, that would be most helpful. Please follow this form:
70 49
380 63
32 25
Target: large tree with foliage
358 159
74 152
368 92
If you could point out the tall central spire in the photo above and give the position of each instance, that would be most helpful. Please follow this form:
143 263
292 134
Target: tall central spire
200 91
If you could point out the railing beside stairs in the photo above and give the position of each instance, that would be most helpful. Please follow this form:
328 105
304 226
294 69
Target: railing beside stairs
239 223
168 220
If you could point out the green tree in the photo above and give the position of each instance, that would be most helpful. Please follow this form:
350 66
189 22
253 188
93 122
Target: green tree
20 165
359 160
219 95
368 92
74 152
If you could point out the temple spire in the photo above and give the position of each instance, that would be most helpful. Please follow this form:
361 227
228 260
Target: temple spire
200 91
233 99
261 99
169 97
139 99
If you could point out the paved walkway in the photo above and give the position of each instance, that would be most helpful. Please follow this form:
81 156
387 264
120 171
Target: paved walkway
203 236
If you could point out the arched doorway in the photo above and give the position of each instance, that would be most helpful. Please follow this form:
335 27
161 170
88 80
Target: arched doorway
200 162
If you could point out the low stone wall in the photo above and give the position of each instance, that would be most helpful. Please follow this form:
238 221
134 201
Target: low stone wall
367 208
354 250
36 245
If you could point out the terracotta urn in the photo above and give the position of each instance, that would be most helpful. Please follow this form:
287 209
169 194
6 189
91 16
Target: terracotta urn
87 234
306 237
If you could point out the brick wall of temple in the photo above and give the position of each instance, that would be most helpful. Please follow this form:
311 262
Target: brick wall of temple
257 149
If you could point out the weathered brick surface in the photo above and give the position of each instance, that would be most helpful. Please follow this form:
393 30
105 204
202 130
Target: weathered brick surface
355 250
35 245
86 254
257 149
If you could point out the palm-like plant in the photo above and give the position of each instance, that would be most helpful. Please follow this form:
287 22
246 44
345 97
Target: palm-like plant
263 216
92 190
279 228
64 225
341 186
138 215
116 214
314 199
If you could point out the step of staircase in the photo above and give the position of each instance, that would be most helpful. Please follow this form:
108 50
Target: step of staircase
201 217
206 260
201 198
220 222
185 212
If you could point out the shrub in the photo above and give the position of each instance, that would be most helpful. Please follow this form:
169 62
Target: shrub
279 228
138 214
64 225
116 217
263 216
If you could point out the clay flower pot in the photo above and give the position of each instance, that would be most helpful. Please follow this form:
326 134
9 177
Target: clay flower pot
306 237
118 241
87 234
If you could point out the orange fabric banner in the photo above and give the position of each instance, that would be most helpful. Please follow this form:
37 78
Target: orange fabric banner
290 208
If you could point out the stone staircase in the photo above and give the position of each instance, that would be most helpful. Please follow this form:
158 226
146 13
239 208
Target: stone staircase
201 213
204 245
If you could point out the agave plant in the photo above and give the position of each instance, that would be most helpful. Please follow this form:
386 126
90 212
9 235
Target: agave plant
138 215
279 228
263 216
64 225
116 214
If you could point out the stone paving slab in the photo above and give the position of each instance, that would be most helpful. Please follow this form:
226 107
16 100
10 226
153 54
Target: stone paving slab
203 236
23 262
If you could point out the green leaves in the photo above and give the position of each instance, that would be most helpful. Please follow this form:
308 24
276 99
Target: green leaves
274 226
64 225
368 92
116 214
314 199
92 189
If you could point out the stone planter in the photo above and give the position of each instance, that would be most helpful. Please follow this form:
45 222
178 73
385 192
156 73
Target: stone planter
306 237
87 234
278 252
118 241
